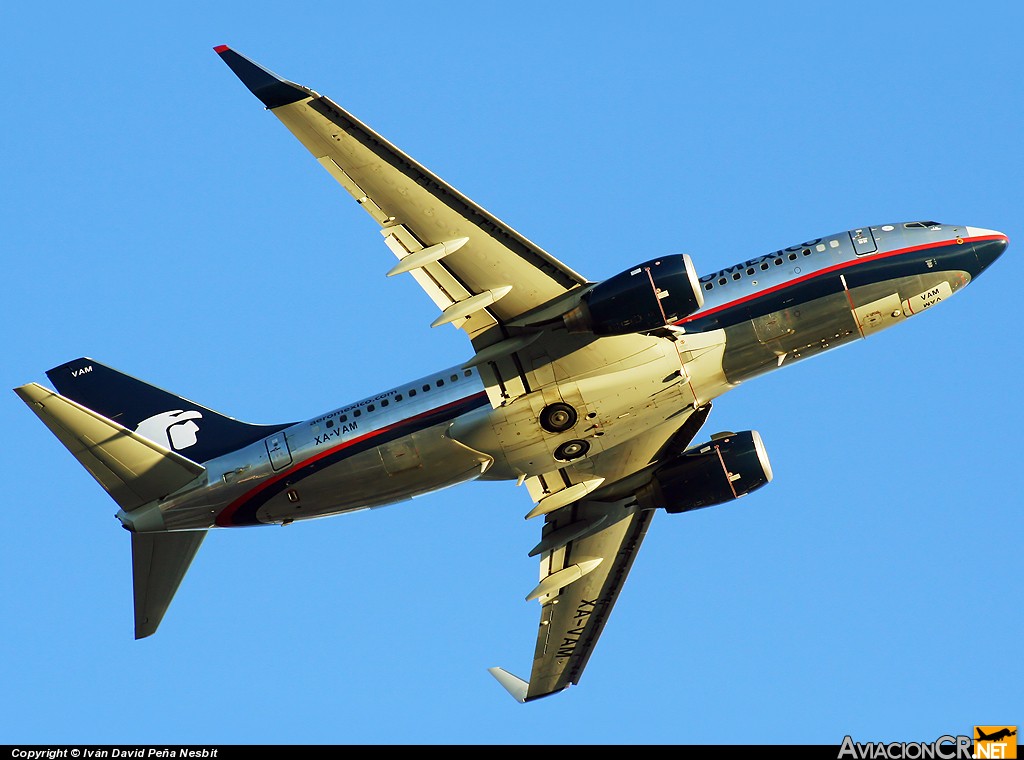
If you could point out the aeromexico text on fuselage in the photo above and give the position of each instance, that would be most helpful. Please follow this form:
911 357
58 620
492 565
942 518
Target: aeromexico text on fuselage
756 262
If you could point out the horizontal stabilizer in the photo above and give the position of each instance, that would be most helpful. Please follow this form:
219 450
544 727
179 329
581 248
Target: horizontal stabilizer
132 469
159 562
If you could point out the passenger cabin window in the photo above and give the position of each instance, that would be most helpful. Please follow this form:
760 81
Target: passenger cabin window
371 408
384 403
343 418
357 412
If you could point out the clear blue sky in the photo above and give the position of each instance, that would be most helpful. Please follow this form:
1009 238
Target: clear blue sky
156 218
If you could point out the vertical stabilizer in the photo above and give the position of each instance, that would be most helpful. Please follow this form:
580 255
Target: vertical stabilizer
159 562
174 422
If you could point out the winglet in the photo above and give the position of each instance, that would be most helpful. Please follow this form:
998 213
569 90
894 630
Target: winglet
514 685
271 89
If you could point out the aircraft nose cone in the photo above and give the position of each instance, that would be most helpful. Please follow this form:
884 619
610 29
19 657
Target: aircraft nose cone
988 248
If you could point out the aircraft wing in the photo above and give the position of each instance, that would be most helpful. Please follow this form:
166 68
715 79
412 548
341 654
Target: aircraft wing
587 549
485 277
508 295
478 270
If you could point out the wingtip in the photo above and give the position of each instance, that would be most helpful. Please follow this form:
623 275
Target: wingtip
272 90
514 685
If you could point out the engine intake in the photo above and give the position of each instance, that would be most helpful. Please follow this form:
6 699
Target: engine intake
721 470
644 298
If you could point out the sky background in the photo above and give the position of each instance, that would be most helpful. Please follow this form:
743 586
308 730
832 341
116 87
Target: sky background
156 218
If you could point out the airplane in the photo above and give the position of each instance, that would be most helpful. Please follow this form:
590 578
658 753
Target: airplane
995 736
588 393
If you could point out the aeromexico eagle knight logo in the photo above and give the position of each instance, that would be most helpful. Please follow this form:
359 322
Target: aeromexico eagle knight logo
174 430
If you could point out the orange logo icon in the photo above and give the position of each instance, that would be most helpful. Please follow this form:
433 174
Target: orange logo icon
998 742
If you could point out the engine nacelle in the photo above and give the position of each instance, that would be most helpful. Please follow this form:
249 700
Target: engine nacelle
723 469
645 298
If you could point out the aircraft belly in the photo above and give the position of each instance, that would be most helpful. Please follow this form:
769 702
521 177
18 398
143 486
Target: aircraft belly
795 332
805 329
612 406
702 355
395 471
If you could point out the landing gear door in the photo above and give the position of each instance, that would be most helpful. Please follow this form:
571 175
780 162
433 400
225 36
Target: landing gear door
277 450
863 241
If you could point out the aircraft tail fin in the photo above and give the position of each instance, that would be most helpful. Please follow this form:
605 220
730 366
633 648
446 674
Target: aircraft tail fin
173 422
132 469
159 563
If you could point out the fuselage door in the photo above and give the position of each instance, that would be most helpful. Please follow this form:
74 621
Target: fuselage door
863 241
277 450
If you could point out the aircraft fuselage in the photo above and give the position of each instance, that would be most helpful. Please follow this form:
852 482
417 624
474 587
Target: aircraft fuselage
763 314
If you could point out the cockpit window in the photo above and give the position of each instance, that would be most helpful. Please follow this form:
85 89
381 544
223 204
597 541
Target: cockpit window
924 225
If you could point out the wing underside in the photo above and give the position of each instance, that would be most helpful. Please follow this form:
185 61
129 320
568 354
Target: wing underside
594 567
586 552
479 271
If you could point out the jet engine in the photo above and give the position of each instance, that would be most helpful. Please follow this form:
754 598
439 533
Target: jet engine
644 298
725 468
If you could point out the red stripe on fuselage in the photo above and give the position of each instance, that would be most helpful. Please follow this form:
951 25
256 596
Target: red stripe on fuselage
828 270
223 519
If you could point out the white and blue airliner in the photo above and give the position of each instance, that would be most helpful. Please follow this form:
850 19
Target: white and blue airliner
589 394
